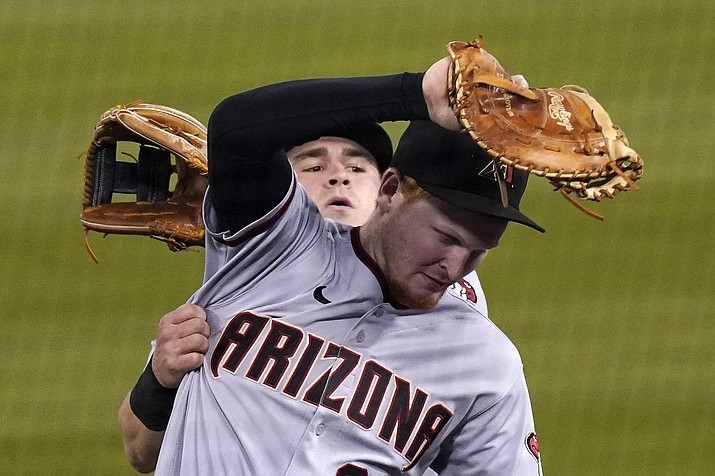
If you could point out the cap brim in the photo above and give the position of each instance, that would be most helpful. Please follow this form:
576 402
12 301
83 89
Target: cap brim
481 204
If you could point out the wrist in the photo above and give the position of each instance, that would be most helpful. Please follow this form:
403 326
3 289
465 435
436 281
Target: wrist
150 401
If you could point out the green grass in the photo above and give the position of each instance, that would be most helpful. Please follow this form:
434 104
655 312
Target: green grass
614 320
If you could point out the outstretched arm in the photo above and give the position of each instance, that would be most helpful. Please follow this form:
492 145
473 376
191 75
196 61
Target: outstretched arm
249 133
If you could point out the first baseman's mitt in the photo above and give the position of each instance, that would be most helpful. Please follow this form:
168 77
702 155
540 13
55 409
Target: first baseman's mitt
153 134
562 134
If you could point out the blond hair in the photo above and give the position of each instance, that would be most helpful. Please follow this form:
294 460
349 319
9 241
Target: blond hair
411 190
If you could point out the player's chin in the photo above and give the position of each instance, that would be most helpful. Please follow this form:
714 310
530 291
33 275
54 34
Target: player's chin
423 302
346 215
416 297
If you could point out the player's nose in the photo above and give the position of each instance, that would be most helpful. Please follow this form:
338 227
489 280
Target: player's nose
456 261
338 177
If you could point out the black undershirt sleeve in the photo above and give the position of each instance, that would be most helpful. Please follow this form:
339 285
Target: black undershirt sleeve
249 133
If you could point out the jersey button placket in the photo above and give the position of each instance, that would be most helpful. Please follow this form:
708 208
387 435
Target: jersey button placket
360 336
320 429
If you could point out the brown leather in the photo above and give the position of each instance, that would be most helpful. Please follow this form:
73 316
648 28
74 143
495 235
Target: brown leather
562 134
175 219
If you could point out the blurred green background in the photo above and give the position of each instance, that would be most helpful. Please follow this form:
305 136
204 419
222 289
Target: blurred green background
614 320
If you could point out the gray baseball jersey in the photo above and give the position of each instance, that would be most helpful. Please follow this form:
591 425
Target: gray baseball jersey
311 372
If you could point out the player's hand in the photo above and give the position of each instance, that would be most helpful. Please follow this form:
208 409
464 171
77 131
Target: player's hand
434 89
181 342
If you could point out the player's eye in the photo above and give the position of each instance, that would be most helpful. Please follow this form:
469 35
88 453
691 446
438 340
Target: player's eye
447 239
355 169
313 169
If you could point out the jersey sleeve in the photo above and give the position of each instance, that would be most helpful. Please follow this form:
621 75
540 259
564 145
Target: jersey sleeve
500 440
234 260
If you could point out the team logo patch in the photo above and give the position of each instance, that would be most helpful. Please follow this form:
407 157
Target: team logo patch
532 444
505 171
318 295
465 290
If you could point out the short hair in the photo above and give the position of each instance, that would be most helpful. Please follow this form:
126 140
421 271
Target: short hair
411 190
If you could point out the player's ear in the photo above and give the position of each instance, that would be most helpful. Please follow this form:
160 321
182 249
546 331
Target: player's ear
390 183
389 186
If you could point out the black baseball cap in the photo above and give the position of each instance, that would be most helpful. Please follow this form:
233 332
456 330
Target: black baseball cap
369 135
452 167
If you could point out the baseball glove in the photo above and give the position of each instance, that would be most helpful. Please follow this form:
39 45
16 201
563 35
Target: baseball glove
134 197
562 134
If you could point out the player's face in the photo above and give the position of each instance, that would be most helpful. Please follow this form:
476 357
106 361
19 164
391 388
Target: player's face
428 244
340 176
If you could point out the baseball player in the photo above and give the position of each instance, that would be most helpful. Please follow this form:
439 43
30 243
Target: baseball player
363 354
342 179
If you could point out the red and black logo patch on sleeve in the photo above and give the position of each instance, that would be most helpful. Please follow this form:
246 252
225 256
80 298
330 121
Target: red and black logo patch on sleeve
532 444
465 290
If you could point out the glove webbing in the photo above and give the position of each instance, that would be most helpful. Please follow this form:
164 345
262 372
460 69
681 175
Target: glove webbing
148 177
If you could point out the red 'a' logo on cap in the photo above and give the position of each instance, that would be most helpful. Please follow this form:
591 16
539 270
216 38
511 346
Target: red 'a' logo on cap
490 172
